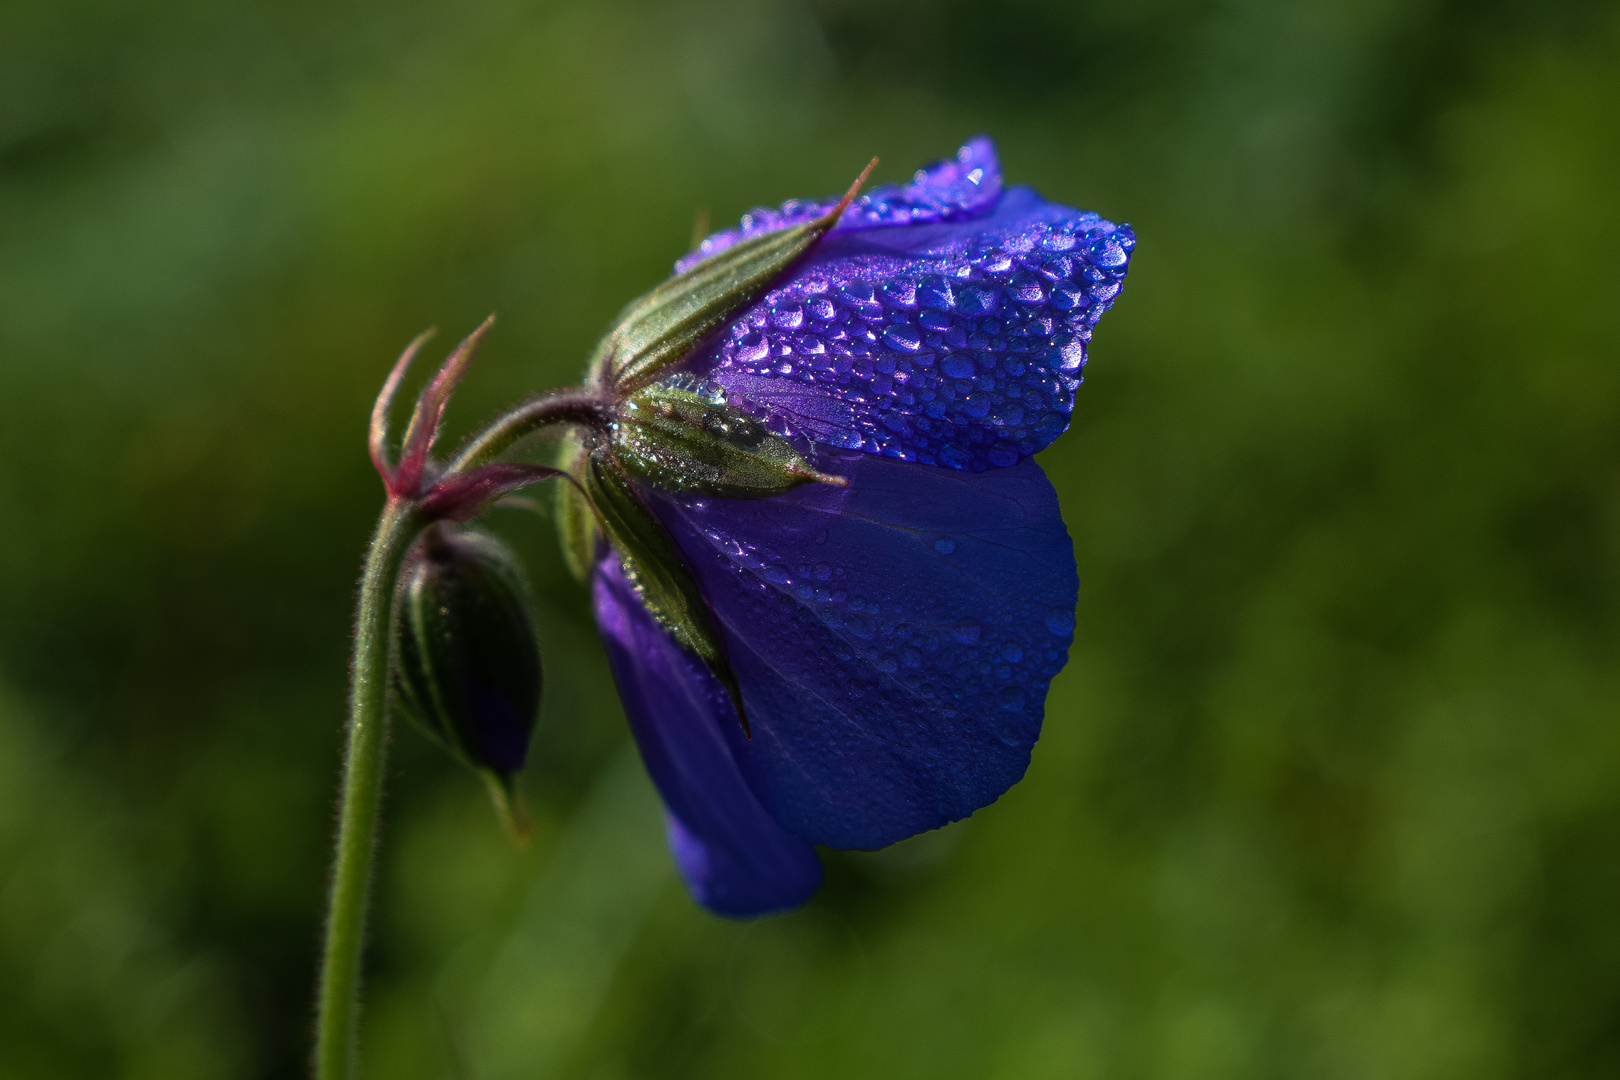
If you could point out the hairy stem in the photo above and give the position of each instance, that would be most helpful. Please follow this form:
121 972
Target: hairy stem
362 794
403 518
563 407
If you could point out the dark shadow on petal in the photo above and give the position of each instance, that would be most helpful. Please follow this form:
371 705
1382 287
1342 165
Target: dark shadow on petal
732 854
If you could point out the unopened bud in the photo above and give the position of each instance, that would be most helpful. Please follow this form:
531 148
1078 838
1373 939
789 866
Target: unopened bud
467 666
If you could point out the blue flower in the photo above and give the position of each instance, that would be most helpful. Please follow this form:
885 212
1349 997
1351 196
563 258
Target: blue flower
890 636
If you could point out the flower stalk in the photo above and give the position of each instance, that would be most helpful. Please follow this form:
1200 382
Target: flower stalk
652 451
363 761
420 493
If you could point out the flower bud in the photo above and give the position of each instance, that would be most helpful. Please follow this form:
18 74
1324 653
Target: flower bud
467 666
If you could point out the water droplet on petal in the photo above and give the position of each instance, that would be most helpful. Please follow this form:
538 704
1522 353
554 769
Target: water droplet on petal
1107 252
945 545
995 261
977 300
966 632
1025 287
900 293
1066 297
907 338
935 292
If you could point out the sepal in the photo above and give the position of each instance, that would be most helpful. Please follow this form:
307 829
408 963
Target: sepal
675 439
577 534
656 570
662 327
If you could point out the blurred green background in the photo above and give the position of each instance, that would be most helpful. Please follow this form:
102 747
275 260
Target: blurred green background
1330 788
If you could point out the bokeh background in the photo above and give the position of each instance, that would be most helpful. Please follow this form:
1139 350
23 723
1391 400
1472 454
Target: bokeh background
1330 787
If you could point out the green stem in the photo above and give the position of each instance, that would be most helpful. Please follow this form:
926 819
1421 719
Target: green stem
362 796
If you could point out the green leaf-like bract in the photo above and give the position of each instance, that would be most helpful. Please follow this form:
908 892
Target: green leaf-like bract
677 440
656 569
663 326
577 533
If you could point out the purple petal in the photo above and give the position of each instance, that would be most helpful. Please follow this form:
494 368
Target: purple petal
956 343
956 187
894 640
733 856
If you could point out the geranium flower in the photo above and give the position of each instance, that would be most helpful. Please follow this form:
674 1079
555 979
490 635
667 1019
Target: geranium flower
860 649
832 583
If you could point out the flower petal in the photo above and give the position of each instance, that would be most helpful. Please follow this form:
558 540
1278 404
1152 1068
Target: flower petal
733 856
956 344
893 640
956 187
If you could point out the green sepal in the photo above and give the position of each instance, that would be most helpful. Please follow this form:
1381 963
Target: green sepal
577 533
657 570
663 326
463 635
677 440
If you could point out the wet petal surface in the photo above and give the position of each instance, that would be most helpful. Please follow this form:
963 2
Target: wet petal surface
961 186
734 857
894 640
957 344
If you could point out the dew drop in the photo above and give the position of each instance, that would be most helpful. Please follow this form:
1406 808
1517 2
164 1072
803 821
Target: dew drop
1025 287
1066 297
1060 622
1012 699
977 300
995 261
1107 252
900 293
966 632
945 545
753 348
907 338
935 292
